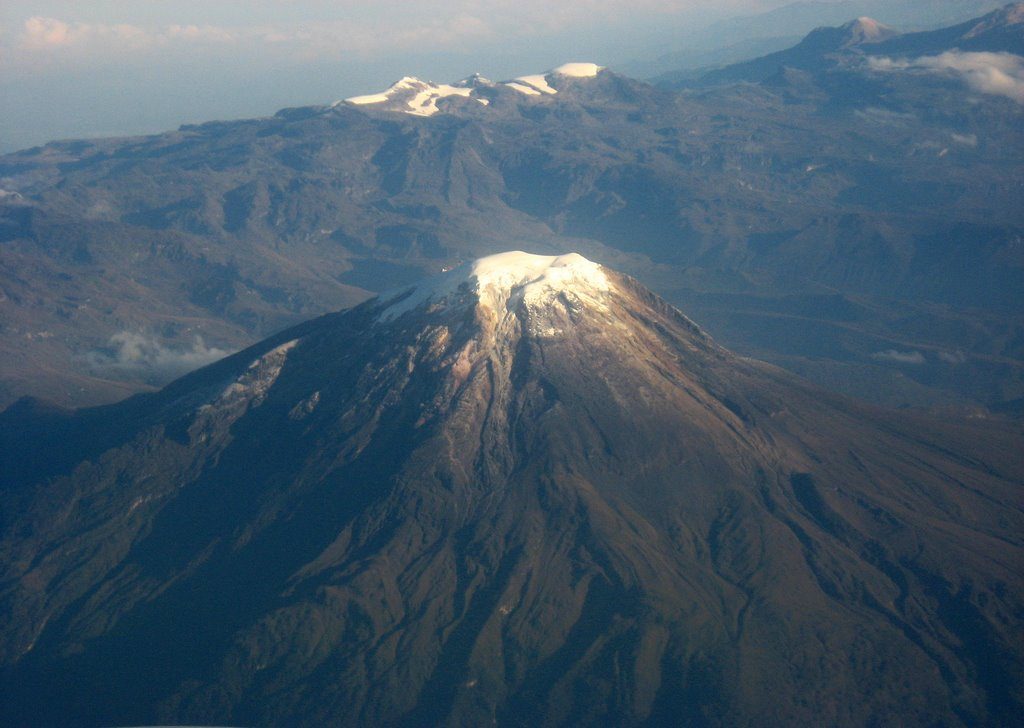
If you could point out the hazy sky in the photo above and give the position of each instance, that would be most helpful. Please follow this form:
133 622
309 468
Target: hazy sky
106 67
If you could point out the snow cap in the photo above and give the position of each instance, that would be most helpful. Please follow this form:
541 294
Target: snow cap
513 276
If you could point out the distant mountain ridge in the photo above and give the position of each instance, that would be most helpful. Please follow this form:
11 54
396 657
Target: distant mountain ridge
1001 31
738 39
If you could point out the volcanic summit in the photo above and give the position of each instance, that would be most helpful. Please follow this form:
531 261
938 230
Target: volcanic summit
525 491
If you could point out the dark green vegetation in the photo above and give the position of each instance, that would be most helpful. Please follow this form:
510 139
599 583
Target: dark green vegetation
860 227
585 512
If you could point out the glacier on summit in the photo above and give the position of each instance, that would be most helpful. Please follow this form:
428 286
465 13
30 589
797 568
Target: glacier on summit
504 279
417 97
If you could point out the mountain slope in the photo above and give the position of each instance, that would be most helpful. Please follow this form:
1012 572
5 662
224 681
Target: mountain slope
817 51
527 490
1001 31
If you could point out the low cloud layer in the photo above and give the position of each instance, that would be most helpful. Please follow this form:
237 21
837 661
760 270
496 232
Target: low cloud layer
41 35
53 42
1000 74
146 356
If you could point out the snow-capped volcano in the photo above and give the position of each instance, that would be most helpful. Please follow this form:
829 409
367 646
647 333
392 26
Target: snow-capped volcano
528 491
411 95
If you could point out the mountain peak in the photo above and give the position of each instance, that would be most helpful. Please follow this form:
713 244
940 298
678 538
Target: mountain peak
865 30
504 281
858 32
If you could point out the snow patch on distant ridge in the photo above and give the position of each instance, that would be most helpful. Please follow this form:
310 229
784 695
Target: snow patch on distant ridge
538 82
419 97
523 88
504 279
414 96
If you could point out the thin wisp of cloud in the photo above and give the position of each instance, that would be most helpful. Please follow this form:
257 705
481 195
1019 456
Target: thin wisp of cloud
899 357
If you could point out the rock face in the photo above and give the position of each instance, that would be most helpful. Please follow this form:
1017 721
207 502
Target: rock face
527 491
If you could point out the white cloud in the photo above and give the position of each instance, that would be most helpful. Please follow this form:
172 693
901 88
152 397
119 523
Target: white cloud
899 357
143 354
1000 74
42 38
337 39
40 34
46 32
202 33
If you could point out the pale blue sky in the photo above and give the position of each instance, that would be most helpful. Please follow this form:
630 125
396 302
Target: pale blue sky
107 67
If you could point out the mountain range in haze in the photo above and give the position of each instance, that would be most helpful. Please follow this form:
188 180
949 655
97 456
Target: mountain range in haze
738 39
77 70
998 32
847 209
